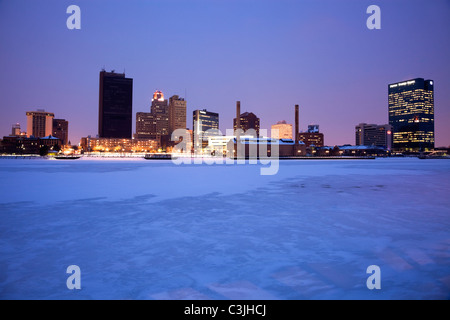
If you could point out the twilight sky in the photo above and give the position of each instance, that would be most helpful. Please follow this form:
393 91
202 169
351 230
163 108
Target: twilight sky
269 54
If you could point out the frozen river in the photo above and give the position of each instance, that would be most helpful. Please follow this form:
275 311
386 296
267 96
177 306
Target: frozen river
142 229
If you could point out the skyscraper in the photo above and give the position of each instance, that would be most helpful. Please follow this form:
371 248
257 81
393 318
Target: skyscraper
203 121
177 113
248 120
411 115
160 111
115 105
145 126
61 130
39 123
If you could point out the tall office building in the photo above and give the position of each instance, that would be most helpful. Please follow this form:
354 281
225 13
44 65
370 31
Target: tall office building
204 120
248 120
160 111
145 126
284 130
39 123
115 106
61 130
411 115
374 135
177 113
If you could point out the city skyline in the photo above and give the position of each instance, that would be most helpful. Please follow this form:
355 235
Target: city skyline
339 76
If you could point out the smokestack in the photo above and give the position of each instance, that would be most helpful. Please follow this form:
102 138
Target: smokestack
296 124
238 117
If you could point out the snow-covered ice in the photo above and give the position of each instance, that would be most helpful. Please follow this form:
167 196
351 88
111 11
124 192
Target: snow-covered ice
143 229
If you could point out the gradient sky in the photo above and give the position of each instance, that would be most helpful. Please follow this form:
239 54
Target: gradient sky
270 55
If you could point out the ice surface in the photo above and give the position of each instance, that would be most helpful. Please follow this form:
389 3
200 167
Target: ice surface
142 229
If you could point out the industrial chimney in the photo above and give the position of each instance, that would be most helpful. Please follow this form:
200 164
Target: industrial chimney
296 124
238 118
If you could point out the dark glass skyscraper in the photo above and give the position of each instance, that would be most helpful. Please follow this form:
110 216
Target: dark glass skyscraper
115 106
205 120
411 115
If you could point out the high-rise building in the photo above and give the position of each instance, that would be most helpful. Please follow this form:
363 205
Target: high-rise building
374 135
411 115
39 123
154 124
61 130
115 106
145 126
160 111
284 130
248 120
177 113
204 120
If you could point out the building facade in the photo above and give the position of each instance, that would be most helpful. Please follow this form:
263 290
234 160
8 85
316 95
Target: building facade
284 130
177 113
89 144
39 123
145 126
202 122
374 135
61 130
411 115
248 120
160 111
115 106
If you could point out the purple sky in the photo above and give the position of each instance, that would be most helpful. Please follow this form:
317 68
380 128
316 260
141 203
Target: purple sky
270 55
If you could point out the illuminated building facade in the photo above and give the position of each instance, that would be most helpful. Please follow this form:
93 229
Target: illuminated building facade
39 123
16 132
284 130
61 130
115 106
154 124
248 120
177 113
374 135
313 137
203 121
145 125
160 111
89 144
411 115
